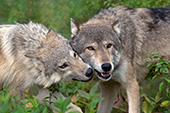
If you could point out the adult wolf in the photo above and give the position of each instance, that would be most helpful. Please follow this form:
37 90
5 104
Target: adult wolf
113 43
32 54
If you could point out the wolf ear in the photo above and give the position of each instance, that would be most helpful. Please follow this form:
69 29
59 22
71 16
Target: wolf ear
51 35
117 26
74 27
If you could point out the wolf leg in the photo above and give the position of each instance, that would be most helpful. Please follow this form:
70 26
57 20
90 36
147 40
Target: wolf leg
132 89
109 92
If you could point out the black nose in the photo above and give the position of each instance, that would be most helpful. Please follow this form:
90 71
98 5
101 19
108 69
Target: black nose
106 66
89 72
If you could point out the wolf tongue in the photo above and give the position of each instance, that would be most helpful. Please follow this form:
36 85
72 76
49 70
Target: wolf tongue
105 74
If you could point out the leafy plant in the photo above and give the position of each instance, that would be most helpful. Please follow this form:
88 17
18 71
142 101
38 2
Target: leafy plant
91 99
159 71
62 105
7 105
70 88
36 106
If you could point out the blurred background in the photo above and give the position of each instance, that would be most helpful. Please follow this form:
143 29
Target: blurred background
56 14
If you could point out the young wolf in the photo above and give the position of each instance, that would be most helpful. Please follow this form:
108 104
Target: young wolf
32 54
113 43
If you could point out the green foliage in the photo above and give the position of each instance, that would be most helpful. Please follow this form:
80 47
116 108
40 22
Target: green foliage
6 103
12 104
55 14
70 88
36 106
62 105
160 67
90 99
159 71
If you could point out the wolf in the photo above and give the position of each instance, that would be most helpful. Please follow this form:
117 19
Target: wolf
114 41
32 54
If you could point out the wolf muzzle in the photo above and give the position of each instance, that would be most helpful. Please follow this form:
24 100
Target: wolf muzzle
106 67
89 72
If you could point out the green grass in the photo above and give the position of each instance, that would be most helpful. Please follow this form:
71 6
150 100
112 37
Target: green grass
55 14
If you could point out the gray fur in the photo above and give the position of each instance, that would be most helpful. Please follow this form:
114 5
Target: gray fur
139 30
32 54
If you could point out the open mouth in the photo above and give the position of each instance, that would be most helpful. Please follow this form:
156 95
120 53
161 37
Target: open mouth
104 75
83 80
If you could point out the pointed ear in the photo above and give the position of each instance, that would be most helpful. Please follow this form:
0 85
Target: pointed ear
117 26
51 35
74 27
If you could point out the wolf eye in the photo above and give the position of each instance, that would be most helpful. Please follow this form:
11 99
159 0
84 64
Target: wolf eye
109 46
75 55
90 48
63 66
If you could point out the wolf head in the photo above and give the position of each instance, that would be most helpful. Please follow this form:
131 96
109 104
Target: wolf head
98 45
57 61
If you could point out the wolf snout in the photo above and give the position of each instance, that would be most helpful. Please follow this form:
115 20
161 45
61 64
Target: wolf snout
106 67
89 72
